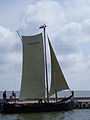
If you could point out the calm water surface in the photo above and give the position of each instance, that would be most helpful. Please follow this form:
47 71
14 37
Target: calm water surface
71 115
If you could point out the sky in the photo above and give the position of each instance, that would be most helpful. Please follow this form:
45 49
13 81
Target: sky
68 27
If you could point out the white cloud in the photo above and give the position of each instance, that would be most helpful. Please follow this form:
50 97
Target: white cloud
68 24
6 36
76 32
10 59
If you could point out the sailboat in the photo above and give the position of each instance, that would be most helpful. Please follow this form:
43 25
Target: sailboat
35 95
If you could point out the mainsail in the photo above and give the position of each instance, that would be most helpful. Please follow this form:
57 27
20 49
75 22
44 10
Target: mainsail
33 73
58 81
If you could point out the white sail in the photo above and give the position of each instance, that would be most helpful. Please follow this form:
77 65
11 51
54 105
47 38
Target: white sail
58 81
33 73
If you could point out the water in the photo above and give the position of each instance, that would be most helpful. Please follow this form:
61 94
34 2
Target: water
77 114
71 115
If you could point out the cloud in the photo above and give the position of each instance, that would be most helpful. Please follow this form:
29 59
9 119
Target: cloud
69 21
10 58
68 25
8 43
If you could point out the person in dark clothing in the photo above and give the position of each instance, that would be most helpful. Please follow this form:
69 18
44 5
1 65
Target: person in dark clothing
72 93
13 95
4 95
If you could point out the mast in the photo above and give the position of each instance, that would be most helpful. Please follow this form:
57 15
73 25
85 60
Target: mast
46 72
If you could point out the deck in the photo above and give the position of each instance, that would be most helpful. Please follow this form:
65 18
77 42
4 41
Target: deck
79 102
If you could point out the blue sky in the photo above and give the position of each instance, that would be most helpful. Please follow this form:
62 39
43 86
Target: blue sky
68 26
11 12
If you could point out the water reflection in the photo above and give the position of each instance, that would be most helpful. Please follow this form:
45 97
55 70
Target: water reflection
46 116
41 116
83 114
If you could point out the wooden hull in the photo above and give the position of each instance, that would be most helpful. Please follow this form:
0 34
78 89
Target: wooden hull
67 104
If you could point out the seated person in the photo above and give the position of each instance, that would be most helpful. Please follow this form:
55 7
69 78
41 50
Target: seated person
13 95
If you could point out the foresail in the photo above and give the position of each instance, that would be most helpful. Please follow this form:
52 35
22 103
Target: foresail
58 81
33 74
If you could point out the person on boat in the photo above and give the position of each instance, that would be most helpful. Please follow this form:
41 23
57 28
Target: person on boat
72 93
4 95
13 95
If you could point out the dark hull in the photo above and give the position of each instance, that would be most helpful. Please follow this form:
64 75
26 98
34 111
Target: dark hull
64 105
